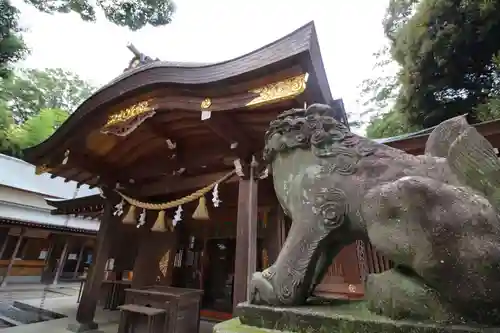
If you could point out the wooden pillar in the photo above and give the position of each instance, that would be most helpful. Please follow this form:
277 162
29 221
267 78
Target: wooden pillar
4 238
123 247
246 239
49 260
88 303
62 262
79 261
13 258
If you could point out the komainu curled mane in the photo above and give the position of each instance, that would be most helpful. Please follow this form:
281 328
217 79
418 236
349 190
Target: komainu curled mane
434 216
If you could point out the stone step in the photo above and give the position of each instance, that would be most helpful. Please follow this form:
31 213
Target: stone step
46 314
9 321
21 314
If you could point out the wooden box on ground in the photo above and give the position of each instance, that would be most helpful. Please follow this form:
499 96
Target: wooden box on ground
179 309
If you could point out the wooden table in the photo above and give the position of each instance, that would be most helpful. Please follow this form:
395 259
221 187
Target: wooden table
181 305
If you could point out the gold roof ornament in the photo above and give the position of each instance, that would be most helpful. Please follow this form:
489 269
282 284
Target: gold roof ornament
278 91
206 103
41 169
127 120
128 113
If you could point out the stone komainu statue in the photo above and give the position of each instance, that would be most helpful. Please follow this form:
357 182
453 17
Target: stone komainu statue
435 216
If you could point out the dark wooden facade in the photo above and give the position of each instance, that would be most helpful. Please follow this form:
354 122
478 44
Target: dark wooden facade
34 253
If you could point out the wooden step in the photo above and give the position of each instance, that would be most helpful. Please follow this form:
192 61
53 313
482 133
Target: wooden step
145 310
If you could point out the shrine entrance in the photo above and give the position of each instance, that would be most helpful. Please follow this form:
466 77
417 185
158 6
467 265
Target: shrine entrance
218 279
209 265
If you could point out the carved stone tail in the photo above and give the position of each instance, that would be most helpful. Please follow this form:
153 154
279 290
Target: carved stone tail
442 137
470 156
473 159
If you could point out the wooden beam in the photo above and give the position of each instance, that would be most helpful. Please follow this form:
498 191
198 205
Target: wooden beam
225 128
4 238
409 144
155 165
78 261
50 260
13 258
88 163
179 183
62 261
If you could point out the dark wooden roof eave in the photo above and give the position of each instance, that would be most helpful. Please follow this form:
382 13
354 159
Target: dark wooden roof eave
416 144
48 227
301 43
93 203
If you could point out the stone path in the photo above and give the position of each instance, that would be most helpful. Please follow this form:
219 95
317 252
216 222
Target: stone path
57 300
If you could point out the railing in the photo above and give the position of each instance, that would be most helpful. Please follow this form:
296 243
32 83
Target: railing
375 262
345 276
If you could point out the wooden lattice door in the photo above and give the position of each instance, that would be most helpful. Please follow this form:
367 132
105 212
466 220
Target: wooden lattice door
344 277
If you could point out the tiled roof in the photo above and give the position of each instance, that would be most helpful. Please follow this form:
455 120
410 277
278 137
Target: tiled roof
21 175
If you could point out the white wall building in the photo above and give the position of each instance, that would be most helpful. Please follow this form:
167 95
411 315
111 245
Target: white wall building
23 210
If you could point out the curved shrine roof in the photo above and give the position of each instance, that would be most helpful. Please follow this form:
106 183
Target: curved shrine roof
166 122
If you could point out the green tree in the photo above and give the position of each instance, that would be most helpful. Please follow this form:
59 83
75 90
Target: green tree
380 92
30 90
446 52
37 128
389 124
33 131
6 146
12 47
133 14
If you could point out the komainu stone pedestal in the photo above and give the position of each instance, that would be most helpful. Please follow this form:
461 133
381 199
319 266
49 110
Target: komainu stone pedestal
339 317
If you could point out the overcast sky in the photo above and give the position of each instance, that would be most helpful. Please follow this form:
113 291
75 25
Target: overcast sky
213 30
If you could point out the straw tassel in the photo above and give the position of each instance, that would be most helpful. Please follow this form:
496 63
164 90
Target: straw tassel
130 217
159 225
201 212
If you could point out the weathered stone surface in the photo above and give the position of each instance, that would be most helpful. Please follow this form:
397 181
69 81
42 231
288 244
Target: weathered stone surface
400 296
338 317
435 216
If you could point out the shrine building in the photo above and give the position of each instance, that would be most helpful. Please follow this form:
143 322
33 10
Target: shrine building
185 201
